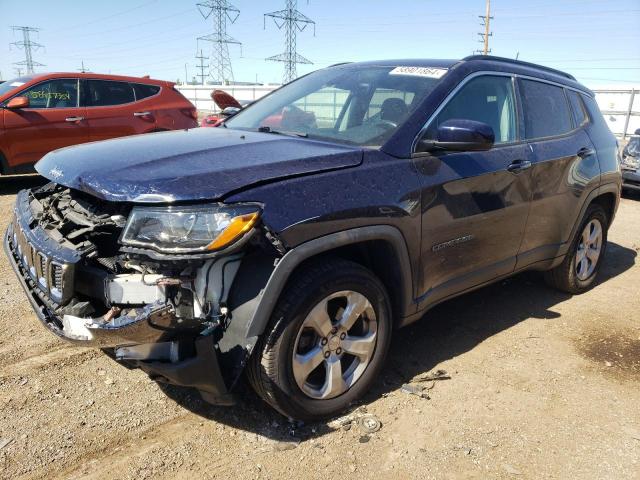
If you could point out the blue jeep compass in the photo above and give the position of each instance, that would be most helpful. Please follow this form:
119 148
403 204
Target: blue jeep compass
289 243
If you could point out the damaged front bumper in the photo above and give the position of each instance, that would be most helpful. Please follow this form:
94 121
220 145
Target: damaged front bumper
187 360
149 324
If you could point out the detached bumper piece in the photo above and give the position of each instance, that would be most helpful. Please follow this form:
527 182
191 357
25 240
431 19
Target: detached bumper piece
201 371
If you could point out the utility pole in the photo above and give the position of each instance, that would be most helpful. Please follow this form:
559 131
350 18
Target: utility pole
83 69
292 21
186 76
486 23
202 66
221 10
29 46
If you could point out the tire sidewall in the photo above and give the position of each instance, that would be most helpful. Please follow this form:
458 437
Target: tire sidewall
362 282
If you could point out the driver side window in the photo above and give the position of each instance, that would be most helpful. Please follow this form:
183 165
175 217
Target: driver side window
61 93
487 99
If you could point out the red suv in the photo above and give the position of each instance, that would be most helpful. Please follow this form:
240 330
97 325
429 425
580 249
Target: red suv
42 112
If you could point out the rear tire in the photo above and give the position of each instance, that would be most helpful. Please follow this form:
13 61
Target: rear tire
578 271
326 342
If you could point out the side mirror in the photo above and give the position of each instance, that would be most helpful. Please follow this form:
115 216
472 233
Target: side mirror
230 111
18 102
459 135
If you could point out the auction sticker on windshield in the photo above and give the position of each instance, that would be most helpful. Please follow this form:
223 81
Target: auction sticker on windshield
428 72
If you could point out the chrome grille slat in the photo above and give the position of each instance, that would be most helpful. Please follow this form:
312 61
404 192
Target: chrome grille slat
48 274
42 270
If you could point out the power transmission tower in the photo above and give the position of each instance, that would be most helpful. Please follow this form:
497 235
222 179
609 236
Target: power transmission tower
83 69
29 46
486 21
292 21
202 66
221 10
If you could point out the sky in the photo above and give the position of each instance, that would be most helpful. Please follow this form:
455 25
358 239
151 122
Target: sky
597 41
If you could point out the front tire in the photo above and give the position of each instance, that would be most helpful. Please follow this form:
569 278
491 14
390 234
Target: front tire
326 342
577 273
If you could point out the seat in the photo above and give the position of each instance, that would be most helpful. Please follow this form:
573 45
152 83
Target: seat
393 110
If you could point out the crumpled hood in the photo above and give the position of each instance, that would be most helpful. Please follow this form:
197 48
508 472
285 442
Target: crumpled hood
198 164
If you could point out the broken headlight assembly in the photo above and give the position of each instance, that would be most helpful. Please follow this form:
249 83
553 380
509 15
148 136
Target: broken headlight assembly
188 229
630 163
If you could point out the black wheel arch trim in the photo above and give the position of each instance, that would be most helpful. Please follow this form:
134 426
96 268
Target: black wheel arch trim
293 258
612 187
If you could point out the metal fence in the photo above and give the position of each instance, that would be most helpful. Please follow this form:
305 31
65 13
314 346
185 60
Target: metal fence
200 95
621 110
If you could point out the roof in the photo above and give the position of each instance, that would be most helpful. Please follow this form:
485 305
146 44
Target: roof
100 76
486 62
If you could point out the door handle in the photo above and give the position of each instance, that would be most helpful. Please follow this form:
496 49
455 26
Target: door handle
141 114
74 119
519 165
585 152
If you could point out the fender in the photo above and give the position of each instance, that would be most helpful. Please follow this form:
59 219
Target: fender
596 192
296 256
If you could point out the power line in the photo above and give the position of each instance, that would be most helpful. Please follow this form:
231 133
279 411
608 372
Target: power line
29 46
202 66
486 22
292 21
221 10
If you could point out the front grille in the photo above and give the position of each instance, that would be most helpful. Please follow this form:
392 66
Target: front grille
50 275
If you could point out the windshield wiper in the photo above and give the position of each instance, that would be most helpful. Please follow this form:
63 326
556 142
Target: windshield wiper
267 129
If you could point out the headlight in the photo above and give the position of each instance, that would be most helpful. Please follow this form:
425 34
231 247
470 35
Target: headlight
188 229
630 162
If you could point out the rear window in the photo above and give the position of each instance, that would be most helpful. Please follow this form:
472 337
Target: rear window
103 93
546 111
579 113
144 91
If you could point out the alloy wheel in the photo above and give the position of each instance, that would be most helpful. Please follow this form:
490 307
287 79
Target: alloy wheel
335 344
589 249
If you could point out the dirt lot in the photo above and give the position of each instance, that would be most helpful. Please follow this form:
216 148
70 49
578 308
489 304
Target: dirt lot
543 385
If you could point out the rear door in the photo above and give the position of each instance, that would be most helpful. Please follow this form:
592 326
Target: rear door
53 120
565 167
474 204
112 110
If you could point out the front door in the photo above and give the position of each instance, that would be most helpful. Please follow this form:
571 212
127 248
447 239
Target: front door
53 120
474 204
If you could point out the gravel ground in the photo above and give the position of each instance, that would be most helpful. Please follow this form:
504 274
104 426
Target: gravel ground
542 385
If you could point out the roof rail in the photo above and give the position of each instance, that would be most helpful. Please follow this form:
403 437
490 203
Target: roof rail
338 64
520 62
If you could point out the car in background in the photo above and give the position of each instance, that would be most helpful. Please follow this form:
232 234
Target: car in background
228 106
43 112
630 163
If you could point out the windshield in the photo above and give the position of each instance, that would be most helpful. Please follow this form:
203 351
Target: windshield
13 84
351 105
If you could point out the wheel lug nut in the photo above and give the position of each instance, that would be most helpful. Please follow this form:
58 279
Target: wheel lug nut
334 330
327 354
323 342
343 336
338 351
